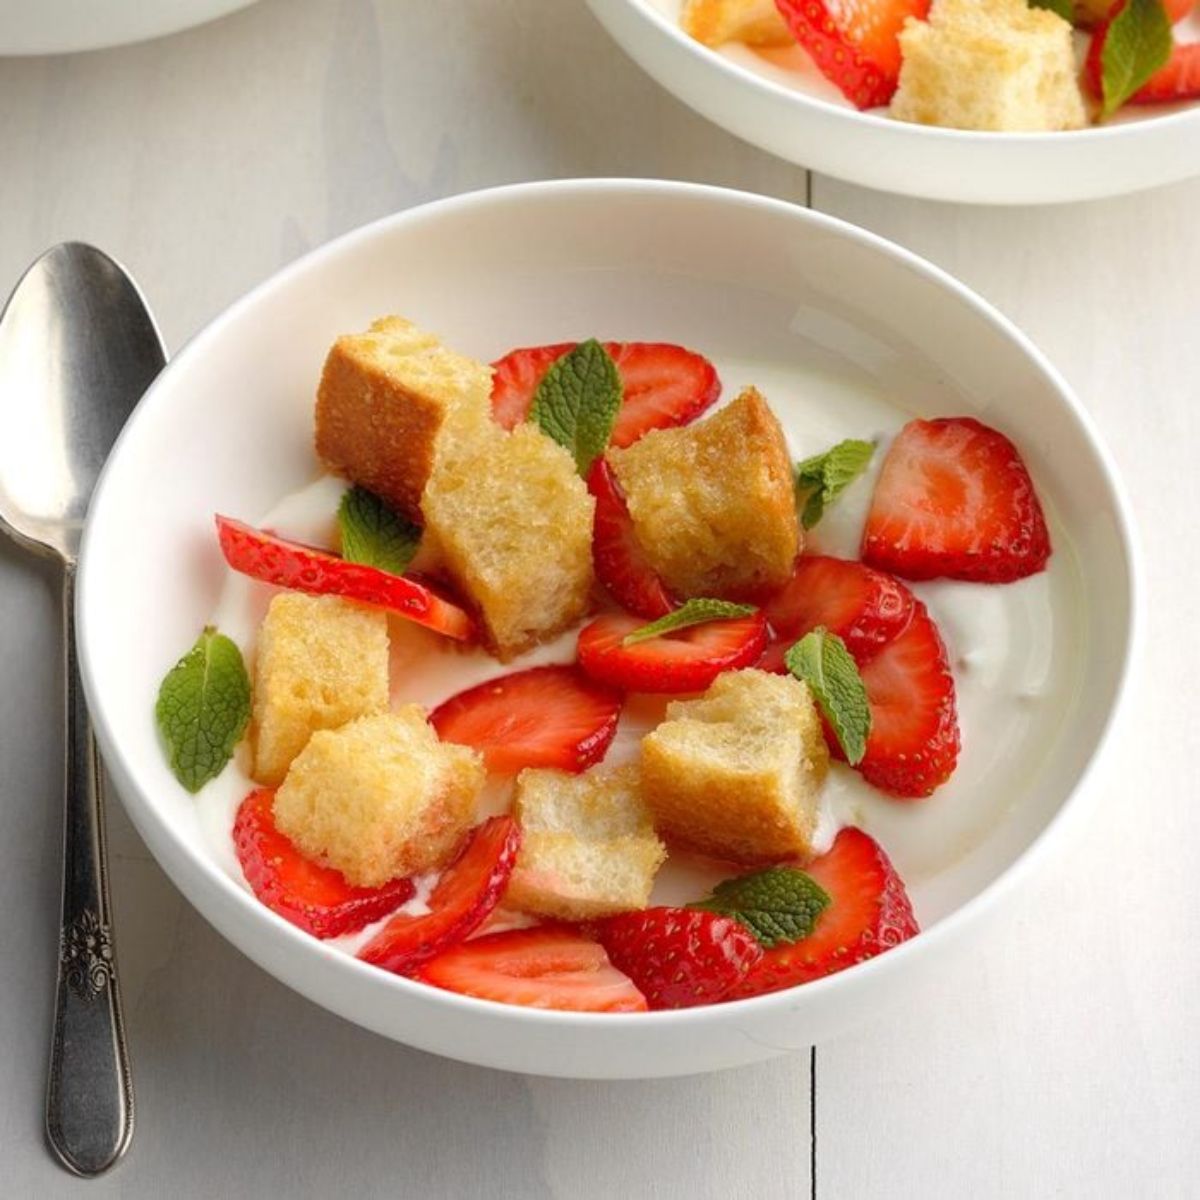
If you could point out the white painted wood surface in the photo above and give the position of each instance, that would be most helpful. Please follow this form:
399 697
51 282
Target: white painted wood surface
1061 1059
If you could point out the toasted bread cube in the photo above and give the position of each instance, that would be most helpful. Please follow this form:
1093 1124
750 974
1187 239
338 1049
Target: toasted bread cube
512 523
321 661
715 22
588 847
380 798
737 772
391 402
995 66
714 504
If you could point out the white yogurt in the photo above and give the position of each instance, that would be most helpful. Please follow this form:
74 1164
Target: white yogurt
1009 646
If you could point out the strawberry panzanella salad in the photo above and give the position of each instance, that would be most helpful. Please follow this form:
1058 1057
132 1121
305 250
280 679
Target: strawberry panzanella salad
696 674
993 65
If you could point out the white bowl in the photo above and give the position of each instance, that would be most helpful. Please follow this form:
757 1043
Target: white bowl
228 428
63 26
803 118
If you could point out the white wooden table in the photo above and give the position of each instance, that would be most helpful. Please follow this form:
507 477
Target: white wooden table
1060 1059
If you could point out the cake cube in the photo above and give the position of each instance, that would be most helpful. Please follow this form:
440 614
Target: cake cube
754 22
321 661
714 503
380 798
588 847
737 772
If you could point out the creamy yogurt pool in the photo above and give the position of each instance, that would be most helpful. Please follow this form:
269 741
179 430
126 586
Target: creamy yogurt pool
1010 648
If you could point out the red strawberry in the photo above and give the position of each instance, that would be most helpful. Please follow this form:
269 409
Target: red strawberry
462 900
315 898
543 717
548 966
620 561
663 385
913 744
865 608
855 43
293 565
1176 10
869 912
680 957
954 499
685 661
1178 80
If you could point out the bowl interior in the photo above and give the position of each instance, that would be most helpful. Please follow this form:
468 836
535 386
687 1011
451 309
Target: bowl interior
228 428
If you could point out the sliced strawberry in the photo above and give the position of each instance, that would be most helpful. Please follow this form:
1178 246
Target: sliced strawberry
464 897
869 912
543 717
549 966
865 608
855 43
685 661
1178 80
914 742
315 898
304 569
621 564
680 957
663 385
954 499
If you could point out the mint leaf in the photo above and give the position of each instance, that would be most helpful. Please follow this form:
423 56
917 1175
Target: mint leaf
821 660
1062 8
1137 43
824 477
203 708
374 533
577 401
780 904
694 612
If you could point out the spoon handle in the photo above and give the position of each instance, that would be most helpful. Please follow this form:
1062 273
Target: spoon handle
89 1099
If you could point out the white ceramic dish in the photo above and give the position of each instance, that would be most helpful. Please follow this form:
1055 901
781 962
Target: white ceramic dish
64 26
228 427
803 118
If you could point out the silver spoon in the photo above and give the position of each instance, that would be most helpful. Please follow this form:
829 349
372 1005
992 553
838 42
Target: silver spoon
78 347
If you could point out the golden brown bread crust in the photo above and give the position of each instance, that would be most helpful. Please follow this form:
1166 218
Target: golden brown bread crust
715 22
713 503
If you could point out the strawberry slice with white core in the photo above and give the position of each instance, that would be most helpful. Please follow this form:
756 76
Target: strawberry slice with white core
687 660
464 897
865 608
662 385
301 568
869 912
549 966
854 43
621 564
913 745
954 499
1179 79
543 717
317 899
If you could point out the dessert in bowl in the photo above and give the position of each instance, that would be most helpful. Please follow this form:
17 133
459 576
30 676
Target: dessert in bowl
841 337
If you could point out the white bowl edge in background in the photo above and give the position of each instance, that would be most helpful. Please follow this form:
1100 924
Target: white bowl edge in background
477 268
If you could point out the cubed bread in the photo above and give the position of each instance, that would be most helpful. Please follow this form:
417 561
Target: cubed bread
588 847
511 522
713 503
391 402
321 661
995 66
737 772
715 22
380 798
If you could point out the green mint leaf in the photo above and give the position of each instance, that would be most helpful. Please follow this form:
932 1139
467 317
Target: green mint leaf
694 612
822 478
780 904
577 401
374 533
1138 42
821 660
1061 8
203 709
